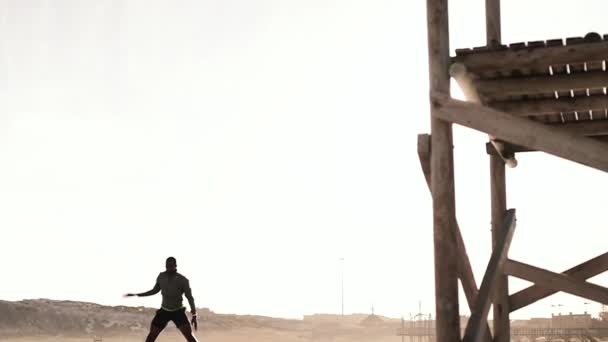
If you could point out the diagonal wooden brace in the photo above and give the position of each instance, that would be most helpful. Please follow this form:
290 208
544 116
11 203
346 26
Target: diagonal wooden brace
557 281
475 329
582 271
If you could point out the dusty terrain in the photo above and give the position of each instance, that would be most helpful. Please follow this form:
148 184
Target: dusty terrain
66 321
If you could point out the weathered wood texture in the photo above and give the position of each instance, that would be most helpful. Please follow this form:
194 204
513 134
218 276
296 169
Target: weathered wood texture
493 25
541 84
498 190
582 271
442 179
521 131
557 281
533 55
465 272
475 328
552 105
498 194
546 80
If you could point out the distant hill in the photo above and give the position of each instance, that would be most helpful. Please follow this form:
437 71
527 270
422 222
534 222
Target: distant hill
51 317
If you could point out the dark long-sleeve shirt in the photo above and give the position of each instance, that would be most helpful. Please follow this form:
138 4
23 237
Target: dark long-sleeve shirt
172 286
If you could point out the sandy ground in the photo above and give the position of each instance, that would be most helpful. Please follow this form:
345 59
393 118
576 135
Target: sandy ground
243 335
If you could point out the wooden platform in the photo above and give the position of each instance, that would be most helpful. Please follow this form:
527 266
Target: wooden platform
561 82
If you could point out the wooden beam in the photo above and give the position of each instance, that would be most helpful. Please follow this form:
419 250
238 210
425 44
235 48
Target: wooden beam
474 331
582 271
557 281
549 106
521 131
514 86
509 149
534 58
442 179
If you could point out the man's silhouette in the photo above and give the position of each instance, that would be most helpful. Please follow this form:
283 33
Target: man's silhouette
172 286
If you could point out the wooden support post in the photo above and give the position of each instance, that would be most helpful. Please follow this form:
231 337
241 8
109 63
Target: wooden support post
442 179
582 271
498 192
493 30
465 272
477 323
499 206
557 281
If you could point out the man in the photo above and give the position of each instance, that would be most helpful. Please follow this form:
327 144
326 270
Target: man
172 286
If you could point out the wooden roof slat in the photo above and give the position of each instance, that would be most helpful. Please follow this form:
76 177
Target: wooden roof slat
587 128
576 50
552 105
555 81
542 84
576 68
554 42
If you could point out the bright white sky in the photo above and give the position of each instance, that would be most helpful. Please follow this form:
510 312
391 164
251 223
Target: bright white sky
258 142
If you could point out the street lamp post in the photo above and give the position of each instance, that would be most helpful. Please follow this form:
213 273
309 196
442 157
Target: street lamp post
585 304
342 285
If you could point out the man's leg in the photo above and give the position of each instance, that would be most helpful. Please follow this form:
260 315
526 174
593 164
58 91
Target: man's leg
158 324
183 324
186 330
153 334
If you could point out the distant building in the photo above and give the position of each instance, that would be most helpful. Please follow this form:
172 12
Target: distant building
571 321
371 321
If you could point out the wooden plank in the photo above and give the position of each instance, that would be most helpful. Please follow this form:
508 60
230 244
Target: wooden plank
521 131
510 149
583 271
541 84
447 315
578 68
569 115
534 57
474 331
557 281
597 114
547 106
586 128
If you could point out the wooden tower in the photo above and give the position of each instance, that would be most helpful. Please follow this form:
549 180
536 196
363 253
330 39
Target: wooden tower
547 96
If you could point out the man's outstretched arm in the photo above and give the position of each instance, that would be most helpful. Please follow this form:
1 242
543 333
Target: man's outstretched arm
154 291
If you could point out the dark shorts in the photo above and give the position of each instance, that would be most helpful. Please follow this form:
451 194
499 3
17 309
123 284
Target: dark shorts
163 317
